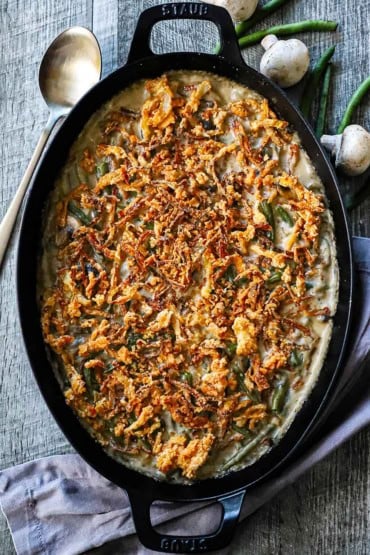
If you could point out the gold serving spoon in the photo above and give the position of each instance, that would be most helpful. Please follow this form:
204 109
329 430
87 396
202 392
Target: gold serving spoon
69 68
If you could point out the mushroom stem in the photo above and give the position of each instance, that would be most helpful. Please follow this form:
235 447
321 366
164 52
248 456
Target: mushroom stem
269 41
331 143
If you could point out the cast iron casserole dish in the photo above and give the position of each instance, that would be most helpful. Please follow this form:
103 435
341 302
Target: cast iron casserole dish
229 490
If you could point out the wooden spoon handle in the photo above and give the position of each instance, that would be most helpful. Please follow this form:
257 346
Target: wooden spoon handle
7 224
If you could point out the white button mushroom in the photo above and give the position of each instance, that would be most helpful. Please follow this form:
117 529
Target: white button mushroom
351 149
285 61
238 9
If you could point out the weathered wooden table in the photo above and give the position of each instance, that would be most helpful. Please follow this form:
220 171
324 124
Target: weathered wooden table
328 510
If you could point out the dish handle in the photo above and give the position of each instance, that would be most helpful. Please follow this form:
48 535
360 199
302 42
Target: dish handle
140 506
140 46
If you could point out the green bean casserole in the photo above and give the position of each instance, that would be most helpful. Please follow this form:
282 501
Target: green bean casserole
188 276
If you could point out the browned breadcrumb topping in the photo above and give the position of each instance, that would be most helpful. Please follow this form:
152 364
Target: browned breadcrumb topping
176 295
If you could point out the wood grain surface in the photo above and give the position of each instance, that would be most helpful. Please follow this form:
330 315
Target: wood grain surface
328 511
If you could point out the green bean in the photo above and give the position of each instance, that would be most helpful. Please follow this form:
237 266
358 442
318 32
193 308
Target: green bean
79 214
241 281
240 364
239 367
101 169
288 29
145 443
132 339
284 215
266 209
274 278
240 378
313 81
230 349
279 395
108 369
260 13
247 448
323 108
230 273
242 431
109 426
187 377
295 358
131 418
352 200
353 103
253 395
90 382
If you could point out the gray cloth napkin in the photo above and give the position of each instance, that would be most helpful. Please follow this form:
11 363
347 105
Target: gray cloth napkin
60 506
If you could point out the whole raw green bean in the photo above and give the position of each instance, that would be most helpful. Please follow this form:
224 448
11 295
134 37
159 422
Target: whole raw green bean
313 81
323 108
353 103
288 29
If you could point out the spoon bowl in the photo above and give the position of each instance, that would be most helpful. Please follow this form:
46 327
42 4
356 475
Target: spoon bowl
70 67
